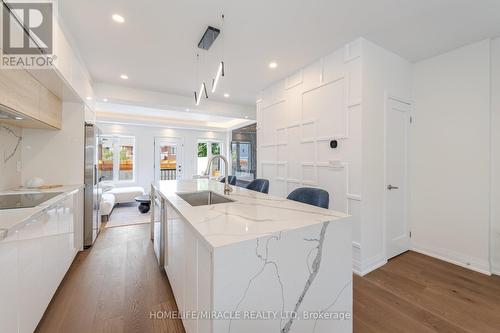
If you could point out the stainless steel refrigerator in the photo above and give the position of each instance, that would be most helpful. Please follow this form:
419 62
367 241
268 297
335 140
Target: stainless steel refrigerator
92 218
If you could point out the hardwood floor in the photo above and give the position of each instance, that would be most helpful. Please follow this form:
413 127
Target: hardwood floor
416 293
112 287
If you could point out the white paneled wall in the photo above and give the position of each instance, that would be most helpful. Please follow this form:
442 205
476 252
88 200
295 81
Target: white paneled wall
297 119
299 116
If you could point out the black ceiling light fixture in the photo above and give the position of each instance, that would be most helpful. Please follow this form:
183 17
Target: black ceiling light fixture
208 38
205 43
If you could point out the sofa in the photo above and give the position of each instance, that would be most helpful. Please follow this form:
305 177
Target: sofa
125 194
107 205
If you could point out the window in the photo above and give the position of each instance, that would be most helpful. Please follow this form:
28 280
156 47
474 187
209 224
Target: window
206 149
116 158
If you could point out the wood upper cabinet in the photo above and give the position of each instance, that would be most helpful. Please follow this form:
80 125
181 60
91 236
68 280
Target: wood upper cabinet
23 93
50 108
20 91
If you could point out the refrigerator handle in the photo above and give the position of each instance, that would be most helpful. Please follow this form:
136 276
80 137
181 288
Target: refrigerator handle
95 174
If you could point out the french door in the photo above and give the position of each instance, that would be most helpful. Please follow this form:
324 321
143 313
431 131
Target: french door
168 158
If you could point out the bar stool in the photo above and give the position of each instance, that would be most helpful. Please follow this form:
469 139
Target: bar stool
311 196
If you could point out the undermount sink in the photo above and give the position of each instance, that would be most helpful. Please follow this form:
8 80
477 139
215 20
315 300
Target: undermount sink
203 198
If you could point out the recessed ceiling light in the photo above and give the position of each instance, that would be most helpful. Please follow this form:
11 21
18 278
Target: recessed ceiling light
104 100
273 65
118 18
89 98
246 117
187 110
226 95
124 77
19 118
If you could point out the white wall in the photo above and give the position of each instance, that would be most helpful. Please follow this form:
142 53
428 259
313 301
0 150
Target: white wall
341 96
384 74
10 156
56 156
495 139
144 143
450 157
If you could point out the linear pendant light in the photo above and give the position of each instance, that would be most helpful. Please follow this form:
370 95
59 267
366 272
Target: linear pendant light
197 97
220 72
205 43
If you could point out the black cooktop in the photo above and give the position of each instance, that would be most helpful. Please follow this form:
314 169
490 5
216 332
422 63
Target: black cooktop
25 200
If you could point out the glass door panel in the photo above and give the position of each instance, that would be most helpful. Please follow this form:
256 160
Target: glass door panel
168 159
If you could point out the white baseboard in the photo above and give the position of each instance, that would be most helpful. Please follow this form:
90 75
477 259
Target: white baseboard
475 264
362 268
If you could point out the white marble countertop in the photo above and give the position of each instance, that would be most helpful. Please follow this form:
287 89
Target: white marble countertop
250 216
14 218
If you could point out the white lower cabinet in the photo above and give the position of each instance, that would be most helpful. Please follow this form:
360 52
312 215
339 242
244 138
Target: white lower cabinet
188 266
9 273
33 262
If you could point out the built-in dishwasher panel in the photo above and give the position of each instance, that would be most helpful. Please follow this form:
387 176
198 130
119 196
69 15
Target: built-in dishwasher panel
158 227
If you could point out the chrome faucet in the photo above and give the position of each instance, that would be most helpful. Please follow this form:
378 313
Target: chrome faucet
227 189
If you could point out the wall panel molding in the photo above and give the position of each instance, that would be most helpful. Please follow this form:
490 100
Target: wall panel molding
318 103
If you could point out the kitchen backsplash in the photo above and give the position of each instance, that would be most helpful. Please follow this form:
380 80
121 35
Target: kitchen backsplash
10 156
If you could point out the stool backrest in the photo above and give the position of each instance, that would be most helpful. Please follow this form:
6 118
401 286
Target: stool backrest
259 185
311 196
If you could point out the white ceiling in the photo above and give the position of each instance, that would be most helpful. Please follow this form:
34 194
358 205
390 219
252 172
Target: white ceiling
140 115
156 46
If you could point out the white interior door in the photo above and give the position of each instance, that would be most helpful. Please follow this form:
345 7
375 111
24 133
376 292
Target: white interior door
168 159
397 127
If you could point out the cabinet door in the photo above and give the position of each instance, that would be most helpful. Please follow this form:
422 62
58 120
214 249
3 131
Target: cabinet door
52 252
204 287
20 91
46 249
190 278
50 108
176 266
32 274
9 283
65 241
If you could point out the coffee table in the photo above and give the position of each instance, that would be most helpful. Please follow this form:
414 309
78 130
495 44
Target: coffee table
144 203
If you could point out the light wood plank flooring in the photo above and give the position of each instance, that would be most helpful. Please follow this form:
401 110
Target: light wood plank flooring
417 293
114 286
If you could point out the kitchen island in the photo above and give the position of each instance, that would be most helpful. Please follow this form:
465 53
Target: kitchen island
252 262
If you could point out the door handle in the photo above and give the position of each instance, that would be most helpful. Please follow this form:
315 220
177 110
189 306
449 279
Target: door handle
390 187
